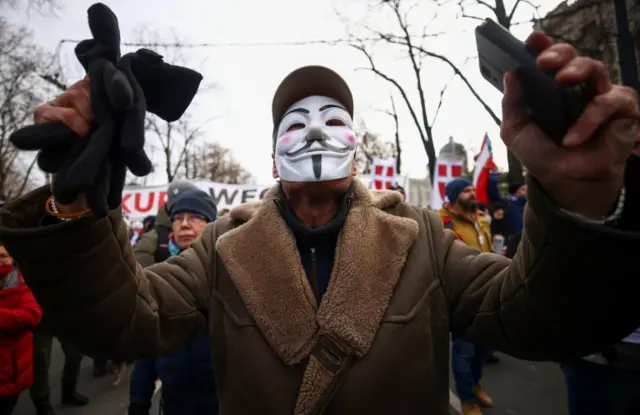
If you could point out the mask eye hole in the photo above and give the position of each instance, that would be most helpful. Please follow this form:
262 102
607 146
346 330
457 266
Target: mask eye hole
334 122
295 126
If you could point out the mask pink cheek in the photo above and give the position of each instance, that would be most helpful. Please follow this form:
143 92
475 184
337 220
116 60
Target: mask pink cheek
285 139
351 139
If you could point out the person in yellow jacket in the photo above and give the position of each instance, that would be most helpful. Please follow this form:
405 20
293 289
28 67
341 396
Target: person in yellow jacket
461 215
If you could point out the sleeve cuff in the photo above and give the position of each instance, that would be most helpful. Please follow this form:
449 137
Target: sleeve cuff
611 219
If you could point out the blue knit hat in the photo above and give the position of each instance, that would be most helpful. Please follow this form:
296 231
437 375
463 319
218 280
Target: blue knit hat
195 201
455 187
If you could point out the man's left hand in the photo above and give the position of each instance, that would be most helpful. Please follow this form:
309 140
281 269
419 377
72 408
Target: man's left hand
585 174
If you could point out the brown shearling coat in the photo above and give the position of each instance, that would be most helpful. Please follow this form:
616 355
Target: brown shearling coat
400 284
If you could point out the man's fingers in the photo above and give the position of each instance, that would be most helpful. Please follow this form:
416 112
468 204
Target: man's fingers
620 103
78 99
538 42
514 113
68 116
583 69
556 56
81 84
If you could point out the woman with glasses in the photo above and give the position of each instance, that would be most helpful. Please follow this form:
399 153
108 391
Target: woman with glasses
186 375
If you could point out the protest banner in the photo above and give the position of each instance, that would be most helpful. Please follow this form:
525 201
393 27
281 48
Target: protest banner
139 202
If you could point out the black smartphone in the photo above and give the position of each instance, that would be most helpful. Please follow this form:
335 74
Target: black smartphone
553 107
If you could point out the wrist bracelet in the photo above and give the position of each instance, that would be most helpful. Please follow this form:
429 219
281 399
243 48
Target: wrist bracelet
52 209
612 218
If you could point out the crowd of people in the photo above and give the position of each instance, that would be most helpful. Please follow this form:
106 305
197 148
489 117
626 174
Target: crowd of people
325 297
186 374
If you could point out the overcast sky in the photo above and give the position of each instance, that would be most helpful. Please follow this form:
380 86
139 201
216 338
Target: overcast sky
245 77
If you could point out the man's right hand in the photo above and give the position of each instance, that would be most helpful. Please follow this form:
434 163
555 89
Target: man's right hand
72 108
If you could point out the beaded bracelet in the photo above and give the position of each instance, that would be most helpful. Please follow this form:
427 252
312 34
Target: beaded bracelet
52 209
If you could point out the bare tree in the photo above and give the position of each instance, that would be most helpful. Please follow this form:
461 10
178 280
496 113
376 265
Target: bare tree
214 162
393 113
504 15
370 146
416 53
21 90
174 141
29 5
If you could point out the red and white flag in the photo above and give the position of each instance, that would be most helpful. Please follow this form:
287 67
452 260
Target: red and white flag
482 171
446 170
383 172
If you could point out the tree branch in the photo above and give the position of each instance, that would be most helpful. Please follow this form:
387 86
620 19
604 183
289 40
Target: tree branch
26 178
405 97
53 80
441 99
397 135
455 69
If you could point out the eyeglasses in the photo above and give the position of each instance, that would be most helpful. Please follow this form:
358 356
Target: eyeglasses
190 218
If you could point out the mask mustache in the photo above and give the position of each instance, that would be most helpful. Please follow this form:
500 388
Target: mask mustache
323 143
320 137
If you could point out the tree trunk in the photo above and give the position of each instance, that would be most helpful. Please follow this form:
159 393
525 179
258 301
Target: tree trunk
515 174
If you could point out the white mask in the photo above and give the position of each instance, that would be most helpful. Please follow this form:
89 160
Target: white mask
315 141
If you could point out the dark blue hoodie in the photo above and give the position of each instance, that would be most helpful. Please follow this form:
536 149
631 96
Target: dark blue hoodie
188 385
514 211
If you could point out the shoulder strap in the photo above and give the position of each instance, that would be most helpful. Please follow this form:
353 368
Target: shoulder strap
162 245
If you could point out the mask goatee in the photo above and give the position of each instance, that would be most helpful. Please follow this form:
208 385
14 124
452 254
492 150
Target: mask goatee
316 160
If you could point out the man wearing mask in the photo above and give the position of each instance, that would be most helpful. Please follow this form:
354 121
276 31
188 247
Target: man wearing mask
461 215
19 315
188 385
324 297
153 245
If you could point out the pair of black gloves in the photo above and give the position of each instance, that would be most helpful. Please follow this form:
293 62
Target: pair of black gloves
122 90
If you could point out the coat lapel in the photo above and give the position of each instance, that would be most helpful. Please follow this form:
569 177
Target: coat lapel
264 264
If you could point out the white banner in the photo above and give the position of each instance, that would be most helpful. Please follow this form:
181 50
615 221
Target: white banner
384 173
446 171
139 202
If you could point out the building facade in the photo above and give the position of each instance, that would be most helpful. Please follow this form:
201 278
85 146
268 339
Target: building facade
590 26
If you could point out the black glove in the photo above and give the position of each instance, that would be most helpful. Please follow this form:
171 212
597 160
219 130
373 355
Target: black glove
121 90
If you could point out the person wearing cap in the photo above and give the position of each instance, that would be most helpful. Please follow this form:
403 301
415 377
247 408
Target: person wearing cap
153 245
188 385
514 204
324 297
461 215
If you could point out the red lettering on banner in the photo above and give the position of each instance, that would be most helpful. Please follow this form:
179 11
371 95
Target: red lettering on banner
149 205
125 199
162 198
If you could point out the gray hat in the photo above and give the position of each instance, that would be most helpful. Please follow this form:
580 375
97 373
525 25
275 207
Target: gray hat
176 188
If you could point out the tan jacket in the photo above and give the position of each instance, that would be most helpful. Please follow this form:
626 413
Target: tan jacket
400 284
477 235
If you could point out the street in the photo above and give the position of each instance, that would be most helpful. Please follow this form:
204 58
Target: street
516 386
519 387
105 398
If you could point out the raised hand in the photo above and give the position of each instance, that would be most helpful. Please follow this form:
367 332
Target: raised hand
89 135
586 173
